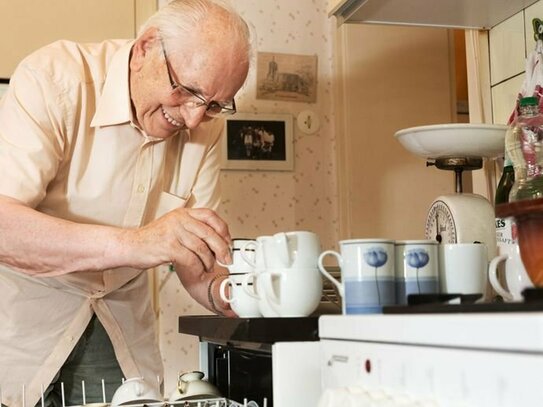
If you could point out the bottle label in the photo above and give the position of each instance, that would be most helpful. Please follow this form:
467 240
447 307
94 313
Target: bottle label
506 231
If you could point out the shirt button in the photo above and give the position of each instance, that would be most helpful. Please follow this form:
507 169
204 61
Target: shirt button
141 188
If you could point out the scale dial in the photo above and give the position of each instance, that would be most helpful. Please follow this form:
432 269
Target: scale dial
440 224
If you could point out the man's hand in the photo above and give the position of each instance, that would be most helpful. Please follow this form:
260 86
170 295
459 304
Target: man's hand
191 239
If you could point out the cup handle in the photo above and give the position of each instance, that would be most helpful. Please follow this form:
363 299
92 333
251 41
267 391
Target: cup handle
245 285
493 277
281 243
269 292
247 245
220 263
326 273
222 291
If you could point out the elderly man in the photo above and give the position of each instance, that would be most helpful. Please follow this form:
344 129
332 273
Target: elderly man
110 165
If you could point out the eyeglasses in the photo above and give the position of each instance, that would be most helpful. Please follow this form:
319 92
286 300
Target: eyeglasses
213 108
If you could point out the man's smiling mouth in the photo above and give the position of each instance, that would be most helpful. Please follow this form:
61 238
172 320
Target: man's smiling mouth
170 119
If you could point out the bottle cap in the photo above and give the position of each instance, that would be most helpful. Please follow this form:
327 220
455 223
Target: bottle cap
528 101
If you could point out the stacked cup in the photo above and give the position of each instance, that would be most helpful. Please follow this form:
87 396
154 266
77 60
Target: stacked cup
242 304
287 279
252 285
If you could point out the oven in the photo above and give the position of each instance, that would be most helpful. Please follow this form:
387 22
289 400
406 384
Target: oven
239 372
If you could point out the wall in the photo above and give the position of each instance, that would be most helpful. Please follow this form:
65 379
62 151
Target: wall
30 24
390 78
257 203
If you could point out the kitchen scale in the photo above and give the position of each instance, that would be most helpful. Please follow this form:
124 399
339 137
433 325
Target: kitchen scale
460 217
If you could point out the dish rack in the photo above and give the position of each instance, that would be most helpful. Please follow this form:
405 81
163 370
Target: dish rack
212 402
330 294
189 402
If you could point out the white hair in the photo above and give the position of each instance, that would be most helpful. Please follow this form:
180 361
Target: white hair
179 19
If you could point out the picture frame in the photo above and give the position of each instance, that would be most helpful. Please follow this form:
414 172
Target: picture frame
260 142
286 77
4 84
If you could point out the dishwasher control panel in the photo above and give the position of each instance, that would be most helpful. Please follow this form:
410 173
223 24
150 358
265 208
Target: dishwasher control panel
380 374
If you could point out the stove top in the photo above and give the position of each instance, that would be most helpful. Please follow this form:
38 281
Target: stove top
458 303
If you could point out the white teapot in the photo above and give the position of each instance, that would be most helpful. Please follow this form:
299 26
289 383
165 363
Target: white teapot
191 386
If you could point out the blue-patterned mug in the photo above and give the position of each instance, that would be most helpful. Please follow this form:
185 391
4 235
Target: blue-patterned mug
417 268
367 274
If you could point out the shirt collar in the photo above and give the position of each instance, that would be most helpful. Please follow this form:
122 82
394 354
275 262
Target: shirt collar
114 105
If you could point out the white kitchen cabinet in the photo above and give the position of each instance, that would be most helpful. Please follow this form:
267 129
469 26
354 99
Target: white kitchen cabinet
507 49
504 96
482 14
534 11
30 24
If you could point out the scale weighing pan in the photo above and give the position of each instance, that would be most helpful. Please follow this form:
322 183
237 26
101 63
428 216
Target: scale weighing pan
454 140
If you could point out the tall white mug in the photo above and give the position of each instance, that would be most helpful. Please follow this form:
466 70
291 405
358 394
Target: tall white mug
463 268
516 277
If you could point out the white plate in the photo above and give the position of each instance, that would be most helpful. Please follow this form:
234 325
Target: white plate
454 140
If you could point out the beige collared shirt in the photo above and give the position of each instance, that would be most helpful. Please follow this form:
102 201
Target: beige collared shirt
69 148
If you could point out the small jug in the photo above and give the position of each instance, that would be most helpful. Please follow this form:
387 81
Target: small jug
190 385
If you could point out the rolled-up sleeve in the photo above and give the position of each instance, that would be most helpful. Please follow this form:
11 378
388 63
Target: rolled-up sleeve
31 135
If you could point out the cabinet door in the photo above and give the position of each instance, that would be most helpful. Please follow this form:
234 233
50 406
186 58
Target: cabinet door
29 24
390 78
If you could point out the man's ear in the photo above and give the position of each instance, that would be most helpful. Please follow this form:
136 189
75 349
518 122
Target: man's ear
142 46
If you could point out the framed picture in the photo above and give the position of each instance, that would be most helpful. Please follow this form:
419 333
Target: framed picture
286 77
258 142
4 83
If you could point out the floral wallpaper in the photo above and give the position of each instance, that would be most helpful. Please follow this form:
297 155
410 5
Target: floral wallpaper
265 202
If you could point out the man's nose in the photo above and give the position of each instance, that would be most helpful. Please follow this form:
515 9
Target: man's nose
193 116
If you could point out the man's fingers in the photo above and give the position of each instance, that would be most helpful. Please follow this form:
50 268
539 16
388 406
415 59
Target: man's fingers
211 219
199 247
218 243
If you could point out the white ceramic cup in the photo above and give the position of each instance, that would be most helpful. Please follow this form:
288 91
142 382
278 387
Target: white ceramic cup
135 390
192 386
292 292
298 249
516 277
252 252
256 248
416 268
243 304
367 274
463 268
239 264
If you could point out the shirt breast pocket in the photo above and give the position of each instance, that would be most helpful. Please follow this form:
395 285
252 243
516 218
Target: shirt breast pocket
168 202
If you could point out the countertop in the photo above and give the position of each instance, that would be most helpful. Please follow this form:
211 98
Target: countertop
217 329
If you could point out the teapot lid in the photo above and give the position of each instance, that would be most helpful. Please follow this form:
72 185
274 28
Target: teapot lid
191 376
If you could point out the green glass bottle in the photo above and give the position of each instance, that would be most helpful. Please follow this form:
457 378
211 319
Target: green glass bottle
505 229
504 226
506 182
